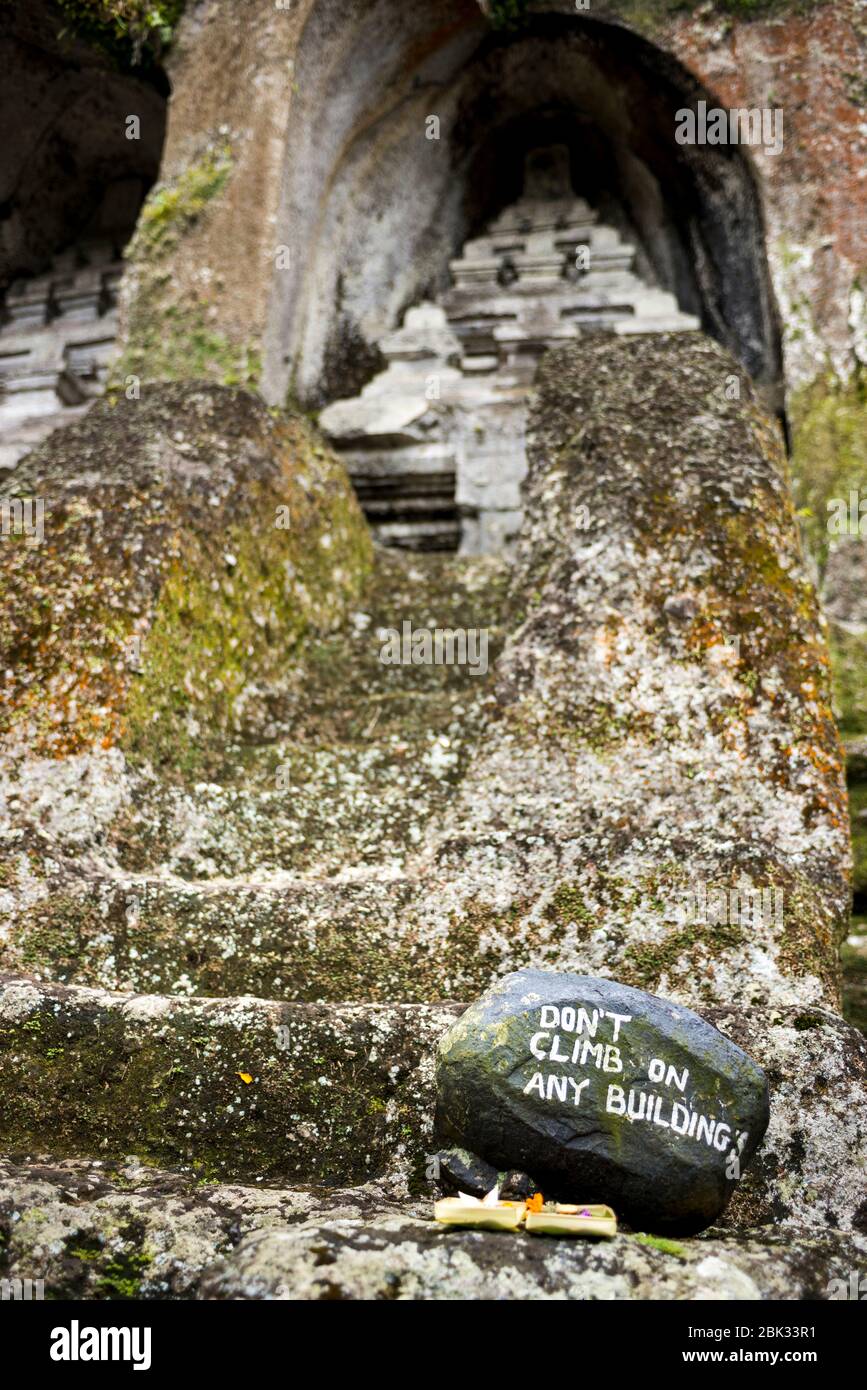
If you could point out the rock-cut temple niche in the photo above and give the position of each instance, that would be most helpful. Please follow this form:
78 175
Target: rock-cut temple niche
87 146
435 443
59 329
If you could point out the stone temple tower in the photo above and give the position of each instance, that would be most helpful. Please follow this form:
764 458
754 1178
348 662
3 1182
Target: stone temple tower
435 443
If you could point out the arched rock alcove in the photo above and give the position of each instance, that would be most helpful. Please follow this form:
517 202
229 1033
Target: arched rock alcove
88 137
373 209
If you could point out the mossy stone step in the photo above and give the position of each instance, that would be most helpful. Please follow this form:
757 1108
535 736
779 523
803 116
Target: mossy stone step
364 938
483 898
244 1089
343 684
297 808
235 1088
295 940
475 907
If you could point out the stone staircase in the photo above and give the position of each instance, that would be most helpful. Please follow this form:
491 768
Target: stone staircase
158 996
57 333
297 868
435 443
223 985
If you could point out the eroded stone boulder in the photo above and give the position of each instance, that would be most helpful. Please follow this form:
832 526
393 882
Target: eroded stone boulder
604 1094
187 543
662 797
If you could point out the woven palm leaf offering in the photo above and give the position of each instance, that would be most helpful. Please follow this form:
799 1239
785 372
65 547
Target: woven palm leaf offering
486 1213
570 1219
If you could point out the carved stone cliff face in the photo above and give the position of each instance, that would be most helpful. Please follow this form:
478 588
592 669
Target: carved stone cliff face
257 804
334 160
254 857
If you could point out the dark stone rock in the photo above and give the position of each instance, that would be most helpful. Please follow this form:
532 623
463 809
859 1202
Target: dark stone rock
458 1170
544 1071
516 1186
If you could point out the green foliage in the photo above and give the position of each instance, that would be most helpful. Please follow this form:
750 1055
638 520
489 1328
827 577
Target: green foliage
858 810
829 459
508 14
133 33
829 428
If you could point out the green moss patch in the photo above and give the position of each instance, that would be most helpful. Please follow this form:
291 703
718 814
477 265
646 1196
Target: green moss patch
205 540
665 1247
171 336
171 208
176 342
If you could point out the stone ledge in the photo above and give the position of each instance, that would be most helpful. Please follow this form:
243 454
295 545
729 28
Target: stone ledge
96 1229
346 1094
407 1258
334 1095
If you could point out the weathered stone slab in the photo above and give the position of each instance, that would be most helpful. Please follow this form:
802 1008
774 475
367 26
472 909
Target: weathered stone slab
237 1088
603 1093
98 1229
408 1258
